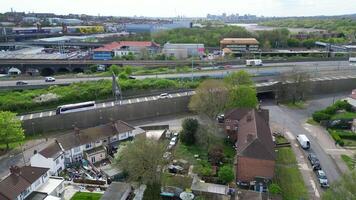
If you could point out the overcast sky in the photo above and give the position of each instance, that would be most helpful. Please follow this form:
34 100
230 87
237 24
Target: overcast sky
189 8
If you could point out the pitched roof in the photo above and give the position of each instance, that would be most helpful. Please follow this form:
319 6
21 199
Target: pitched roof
85 136
52 151
242 41
254 137
236 114
118 45
15 183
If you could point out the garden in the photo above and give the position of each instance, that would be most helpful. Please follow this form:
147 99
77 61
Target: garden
338 119
86 196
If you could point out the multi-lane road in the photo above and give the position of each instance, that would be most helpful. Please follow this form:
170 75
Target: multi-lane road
268 70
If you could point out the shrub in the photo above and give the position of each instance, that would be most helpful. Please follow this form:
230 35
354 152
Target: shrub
274 189
336 137
123 76
320 116
190 127
343 105
226 175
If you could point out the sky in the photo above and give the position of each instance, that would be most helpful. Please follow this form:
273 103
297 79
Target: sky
188 8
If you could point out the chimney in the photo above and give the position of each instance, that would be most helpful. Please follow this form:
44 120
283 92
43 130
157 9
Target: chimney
15 169
76 131
35 152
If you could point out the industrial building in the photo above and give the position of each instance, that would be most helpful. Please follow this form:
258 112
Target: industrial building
150 28
181 51
239 45
124 48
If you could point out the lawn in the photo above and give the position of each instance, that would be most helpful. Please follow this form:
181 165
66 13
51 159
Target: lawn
86 196
312 121
344 115
296 105
176 181
288 176
349 161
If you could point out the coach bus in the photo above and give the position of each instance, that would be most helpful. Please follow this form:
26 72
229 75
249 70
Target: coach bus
75 107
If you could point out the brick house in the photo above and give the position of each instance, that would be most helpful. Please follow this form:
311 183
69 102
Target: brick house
255 148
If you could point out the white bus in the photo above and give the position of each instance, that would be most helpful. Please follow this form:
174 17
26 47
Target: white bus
75 107
254 62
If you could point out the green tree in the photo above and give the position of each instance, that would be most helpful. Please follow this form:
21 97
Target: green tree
225 174
123 76
242 97
238 78
128 70
10 129
210 98
345 188
93 68
189 129
142 160
115 69
274 188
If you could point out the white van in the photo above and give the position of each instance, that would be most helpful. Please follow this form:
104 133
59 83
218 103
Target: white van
254 62
303 141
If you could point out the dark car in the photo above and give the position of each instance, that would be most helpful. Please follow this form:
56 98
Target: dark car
21 83
314 161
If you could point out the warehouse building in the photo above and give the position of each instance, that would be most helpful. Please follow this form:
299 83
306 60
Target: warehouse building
182 51
239 45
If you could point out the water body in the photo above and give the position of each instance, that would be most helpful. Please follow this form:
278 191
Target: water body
256 27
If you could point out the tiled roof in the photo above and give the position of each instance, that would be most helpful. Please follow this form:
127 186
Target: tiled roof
85 136
15 183
236 114
117 45
254 137
51 151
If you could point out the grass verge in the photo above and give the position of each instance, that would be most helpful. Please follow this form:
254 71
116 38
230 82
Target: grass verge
288 176
312 121
86 196
348 161
296 105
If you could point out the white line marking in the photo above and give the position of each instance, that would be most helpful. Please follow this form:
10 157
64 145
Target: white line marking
31 116
138 100
112 104
146 99
178 94
154 98
21 118
129 101
50 113
104 105
170 96
41 114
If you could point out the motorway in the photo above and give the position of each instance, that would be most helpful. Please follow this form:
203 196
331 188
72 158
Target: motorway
264 73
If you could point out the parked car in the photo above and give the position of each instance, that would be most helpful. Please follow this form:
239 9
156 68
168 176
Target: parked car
173 141
317 166
221 118
50 79
303 141
163 96
175 169
313 159
21 83
323 180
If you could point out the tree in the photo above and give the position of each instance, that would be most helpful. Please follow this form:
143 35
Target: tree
242 97
225 174
190 127
93 68
274 188
128 70
210 98
10 129
345 188
141 160
115 69
238 78
216 155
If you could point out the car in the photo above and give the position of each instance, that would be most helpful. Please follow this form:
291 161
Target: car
317 166
176 134
323 180
221 118
21 83
313 159
163 96
175 169
50 79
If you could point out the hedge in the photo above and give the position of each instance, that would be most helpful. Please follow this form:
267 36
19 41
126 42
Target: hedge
336 137
327 113
320 116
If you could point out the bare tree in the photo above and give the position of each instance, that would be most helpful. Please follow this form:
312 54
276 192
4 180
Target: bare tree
294 86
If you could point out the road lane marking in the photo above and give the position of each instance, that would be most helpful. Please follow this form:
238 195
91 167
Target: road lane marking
178 94
129 101
41 114
138 100
146 99
170 96
104 105
112 103
21 118
31 116
51 113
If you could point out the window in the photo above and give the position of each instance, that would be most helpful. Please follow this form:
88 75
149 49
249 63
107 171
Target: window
76 149
87 146
93 159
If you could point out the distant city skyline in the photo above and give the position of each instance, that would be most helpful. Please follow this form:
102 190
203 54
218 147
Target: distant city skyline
187 8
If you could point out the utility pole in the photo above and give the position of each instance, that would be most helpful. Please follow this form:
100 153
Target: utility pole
192 69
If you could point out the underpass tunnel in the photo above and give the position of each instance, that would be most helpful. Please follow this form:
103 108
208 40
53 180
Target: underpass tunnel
63 70
266 95
78 70
47 72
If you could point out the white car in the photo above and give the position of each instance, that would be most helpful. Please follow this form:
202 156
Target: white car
50 79
163 96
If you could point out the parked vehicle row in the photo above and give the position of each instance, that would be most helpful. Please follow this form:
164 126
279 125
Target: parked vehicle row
314 161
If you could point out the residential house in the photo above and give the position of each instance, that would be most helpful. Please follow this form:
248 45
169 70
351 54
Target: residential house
51 157
255 155
89 143
232 118
22 181
124 48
